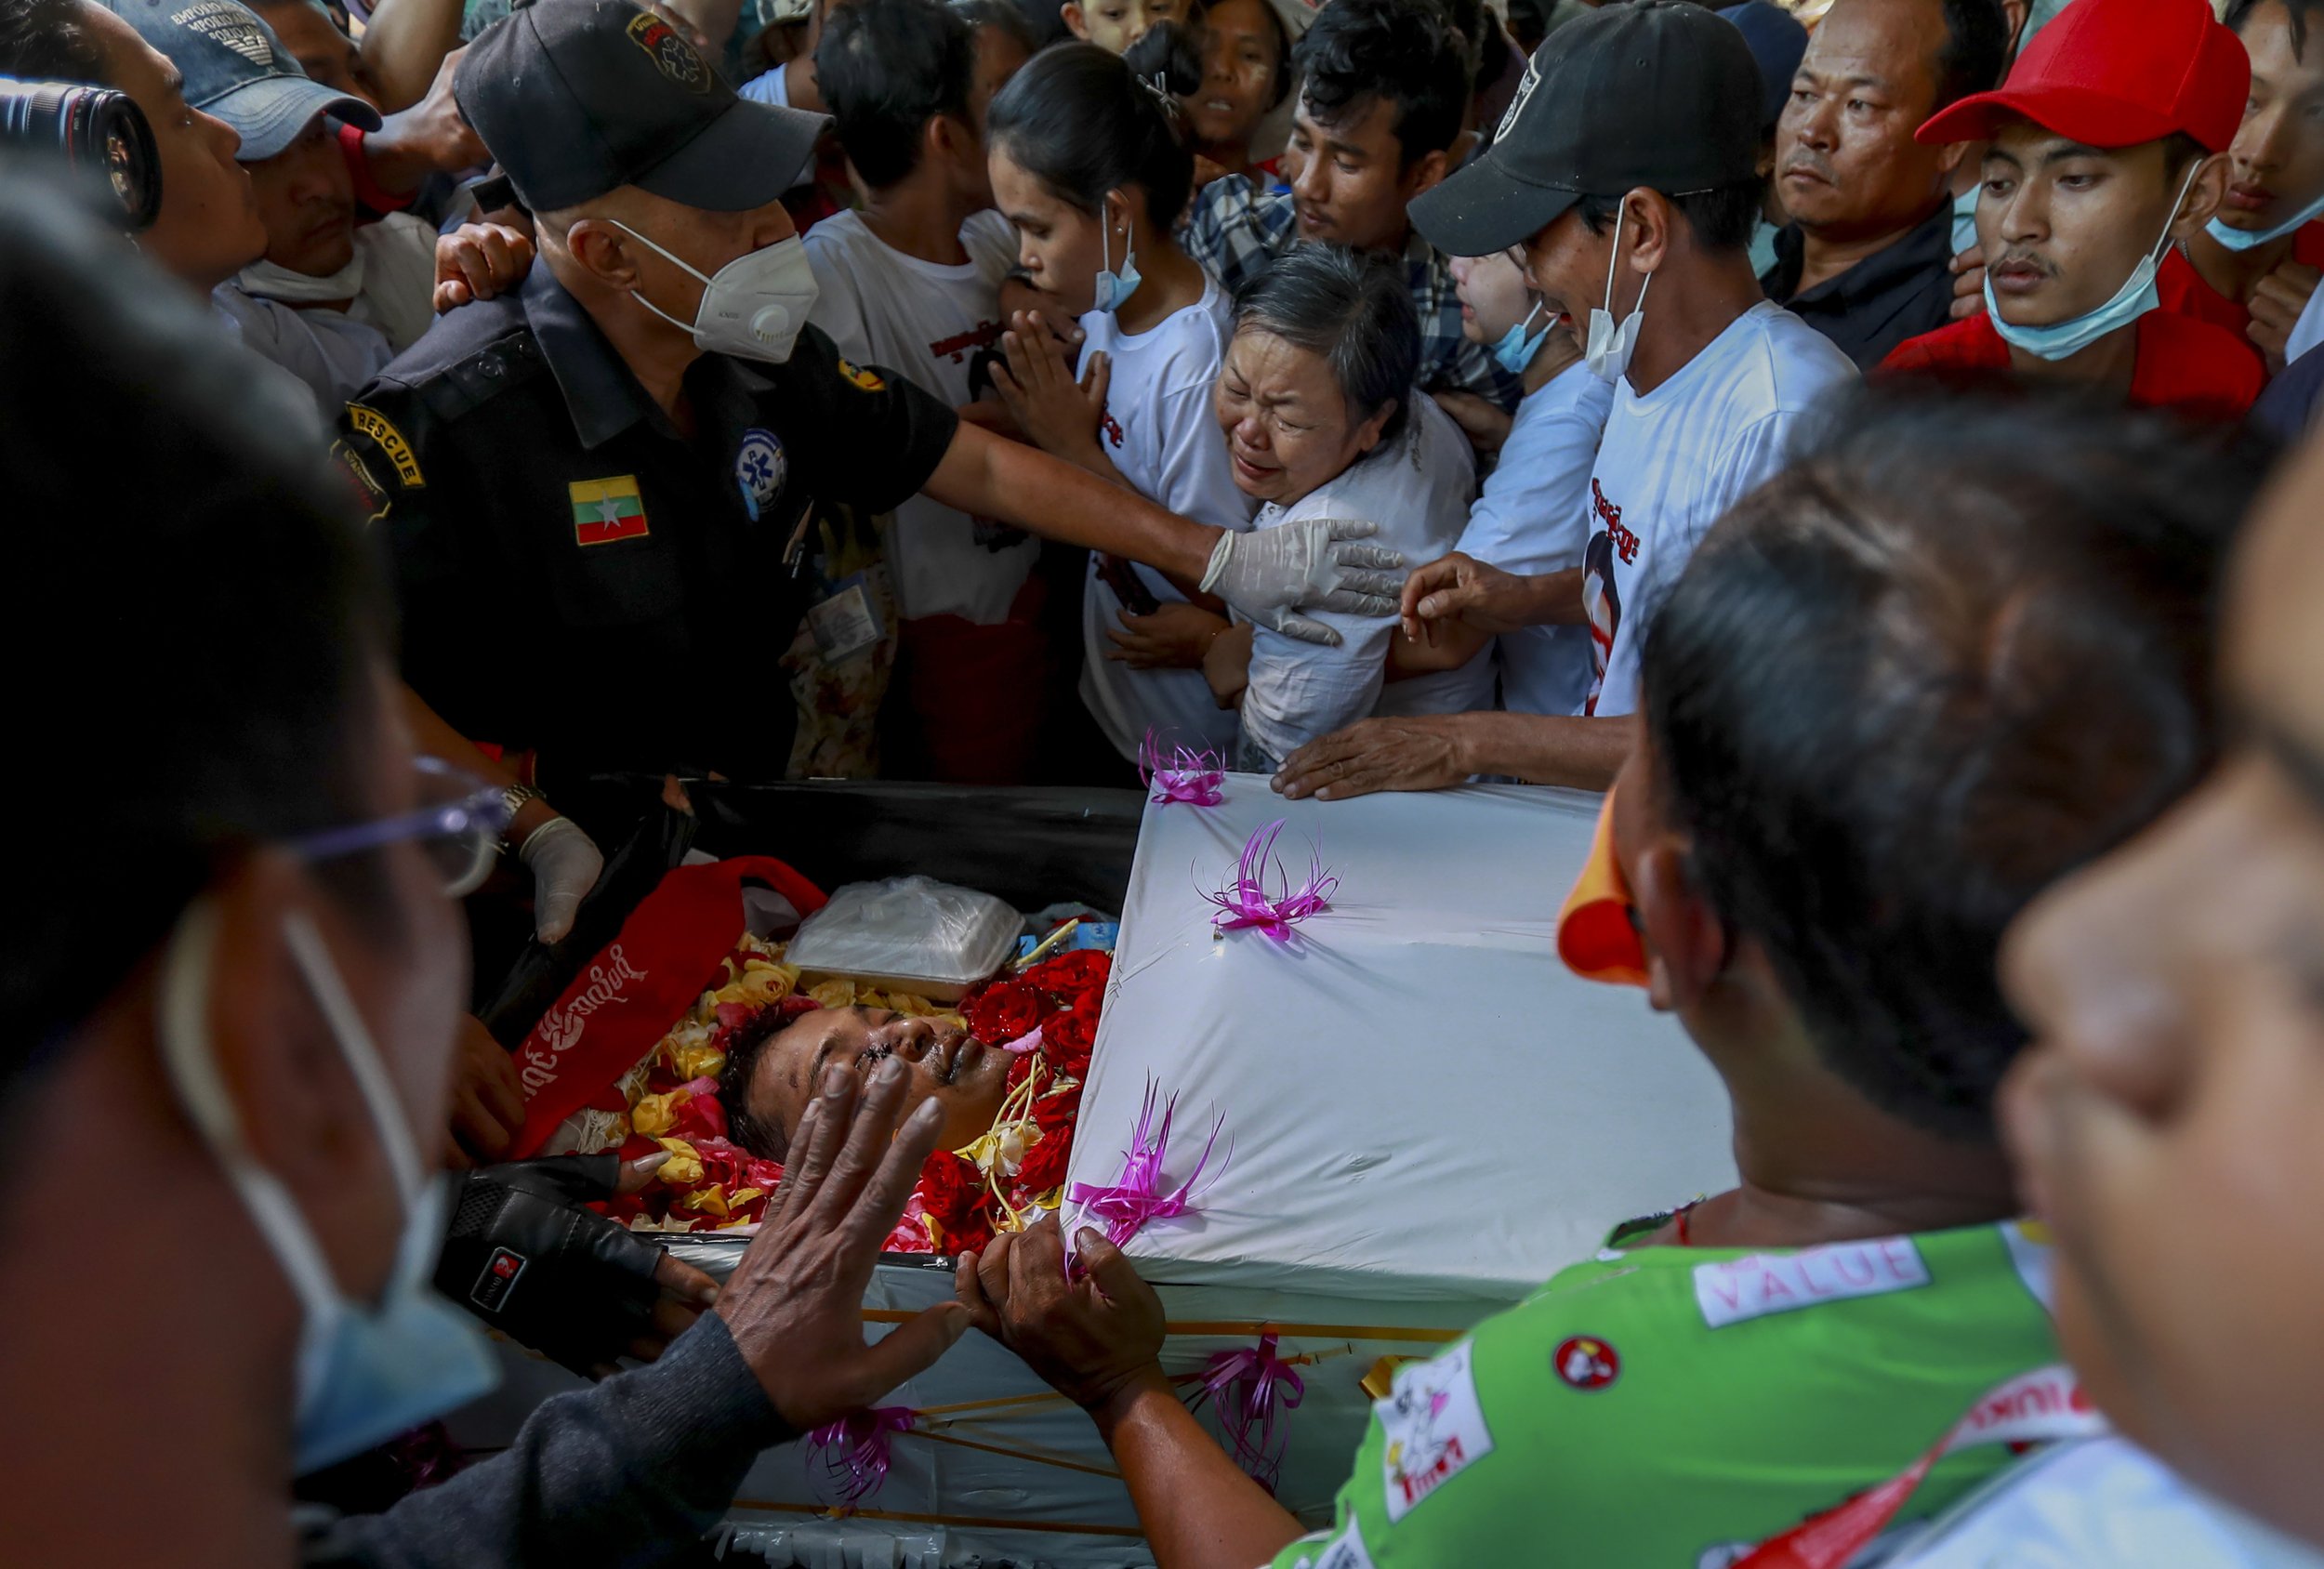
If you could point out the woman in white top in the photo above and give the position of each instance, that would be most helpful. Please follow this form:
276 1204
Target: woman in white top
1322 420
1090 162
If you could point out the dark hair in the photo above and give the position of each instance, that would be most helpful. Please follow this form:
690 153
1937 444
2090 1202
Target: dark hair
1353 310
1084 123
1976 48
886 68
761 1136
237 611
1357 51
1530 23
1046 19
49 40
1002 16
1959 648
1721 218
2296 11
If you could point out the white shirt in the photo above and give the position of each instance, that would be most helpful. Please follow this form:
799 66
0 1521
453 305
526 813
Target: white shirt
771 86
1674 460
1416 486
2101 1501
924 321
330 350
1533 518
389 281
1161 431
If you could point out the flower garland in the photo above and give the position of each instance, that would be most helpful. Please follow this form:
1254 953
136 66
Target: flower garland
1003 1181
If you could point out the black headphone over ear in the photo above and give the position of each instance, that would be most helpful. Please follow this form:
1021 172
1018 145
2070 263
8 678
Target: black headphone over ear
99 131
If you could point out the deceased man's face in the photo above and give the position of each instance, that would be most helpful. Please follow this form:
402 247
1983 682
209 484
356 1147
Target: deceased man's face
947 1066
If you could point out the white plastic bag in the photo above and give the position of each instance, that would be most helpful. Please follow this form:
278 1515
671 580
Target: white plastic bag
911 934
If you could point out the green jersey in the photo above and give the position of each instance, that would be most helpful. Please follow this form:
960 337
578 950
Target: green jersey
1671 1407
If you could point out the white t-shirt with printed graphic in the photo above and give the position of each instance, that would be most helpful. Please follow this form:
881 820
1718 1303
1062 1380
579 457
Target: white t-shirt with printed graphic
1417 486
924 321
1533 518
1162 432
1674 460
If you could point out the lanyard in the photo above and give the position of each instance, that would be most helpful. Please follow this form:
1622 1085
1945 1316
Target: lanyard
2040 1406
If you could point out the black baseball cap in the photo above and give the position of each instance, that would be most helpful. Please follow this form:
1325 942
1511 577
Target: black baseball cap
574 98
1656 94
237 69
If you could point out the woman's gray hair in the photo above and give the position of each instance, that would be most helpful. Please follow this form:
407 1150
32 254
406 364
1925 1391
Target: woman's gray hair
1353 311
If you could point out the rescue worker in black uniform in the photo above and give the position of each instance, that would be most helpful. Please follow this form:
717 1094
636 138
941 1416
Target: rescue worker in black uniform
596 487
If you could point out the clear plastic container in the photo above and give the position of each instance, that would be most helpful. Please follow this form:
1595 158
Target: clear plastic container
908 934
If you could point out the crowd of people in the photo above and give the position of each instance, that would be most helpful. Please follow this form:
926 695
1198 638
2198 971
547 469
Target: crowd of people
1870 445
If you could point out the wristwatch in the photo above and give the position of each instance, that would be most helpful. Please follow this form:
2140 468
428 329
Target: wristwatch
514 797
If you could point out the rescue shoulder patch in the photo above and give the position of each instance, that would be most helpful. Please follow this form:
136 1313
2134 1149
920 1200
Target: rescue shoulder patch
868 380
381 432
371 497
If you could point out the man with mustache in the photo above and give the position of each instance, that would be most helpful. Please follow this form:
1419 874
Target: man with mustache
2107 141
1863 259
2254 266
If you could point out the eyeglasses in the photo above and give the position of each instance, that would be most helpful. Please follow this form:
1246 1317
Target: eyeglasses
458 824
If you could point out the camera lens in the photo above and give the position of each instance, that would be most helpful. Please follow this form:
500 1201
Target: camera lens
97 129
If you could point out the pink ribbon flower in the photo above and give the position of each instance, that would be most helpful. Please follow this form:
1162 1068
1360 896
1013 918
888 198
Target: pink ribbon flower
851 1458
1252 1387
1138 1196
1194 778
1247 902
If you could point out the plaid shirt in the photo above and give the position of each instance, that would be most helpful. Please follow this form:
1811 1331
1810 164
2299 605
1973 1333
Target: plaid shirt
1236 230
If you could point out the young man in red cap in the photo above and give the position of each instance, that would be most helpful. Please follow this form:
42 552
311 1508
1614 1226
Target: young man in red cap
2106 141
2254 266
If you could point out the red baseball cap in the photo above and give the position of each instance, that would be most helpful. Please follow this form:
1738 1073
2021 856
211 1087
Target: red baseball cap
2116 74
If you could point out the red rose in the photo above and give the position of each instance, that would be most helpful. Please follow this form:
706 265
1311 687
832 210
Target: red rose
1066 1038
1068 976
1044 1165
951 1187
1005 1011
972 1231
797 1006
1056 1112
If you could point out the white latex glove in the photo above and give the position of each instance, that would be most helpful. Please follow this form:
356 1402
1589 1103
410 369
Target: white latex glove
1269 575
565 865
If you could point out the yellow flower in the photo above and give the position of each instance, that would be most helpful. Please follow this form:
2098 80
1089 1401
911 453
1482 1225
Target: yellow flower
656 1114
834 994
697 1061
704 1201
683 1169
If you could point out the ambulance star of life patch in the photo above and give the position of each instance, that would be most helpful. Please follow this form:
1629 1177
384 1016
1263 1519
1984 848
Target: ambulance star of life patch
606 510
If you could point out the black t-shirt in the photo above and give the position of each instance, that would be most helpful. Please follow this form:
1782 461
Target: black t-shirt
577 578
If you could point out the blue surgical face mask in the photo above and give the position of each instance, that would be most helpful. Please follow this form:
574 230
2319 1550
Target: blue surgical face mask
1514 351
2248 239
2137 296
1114 288
365 1372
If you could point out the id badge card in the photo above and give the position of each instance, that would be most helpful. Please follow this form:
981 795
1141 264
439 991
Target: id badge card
845 622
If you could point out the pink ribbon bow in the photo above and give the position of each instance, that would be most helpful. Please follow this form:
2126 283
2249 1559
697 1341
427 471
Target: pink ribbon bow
850 1457
1247 902
1194 778
1252 1387
1136 1196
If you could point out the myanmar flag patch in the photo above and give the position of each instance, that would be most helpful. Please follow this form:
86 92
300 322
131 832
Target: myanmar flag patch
606 510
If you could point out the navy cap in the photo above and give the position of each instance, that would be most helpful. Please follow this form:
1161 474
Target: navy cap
236 69
1778 43
1655 94
575 97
